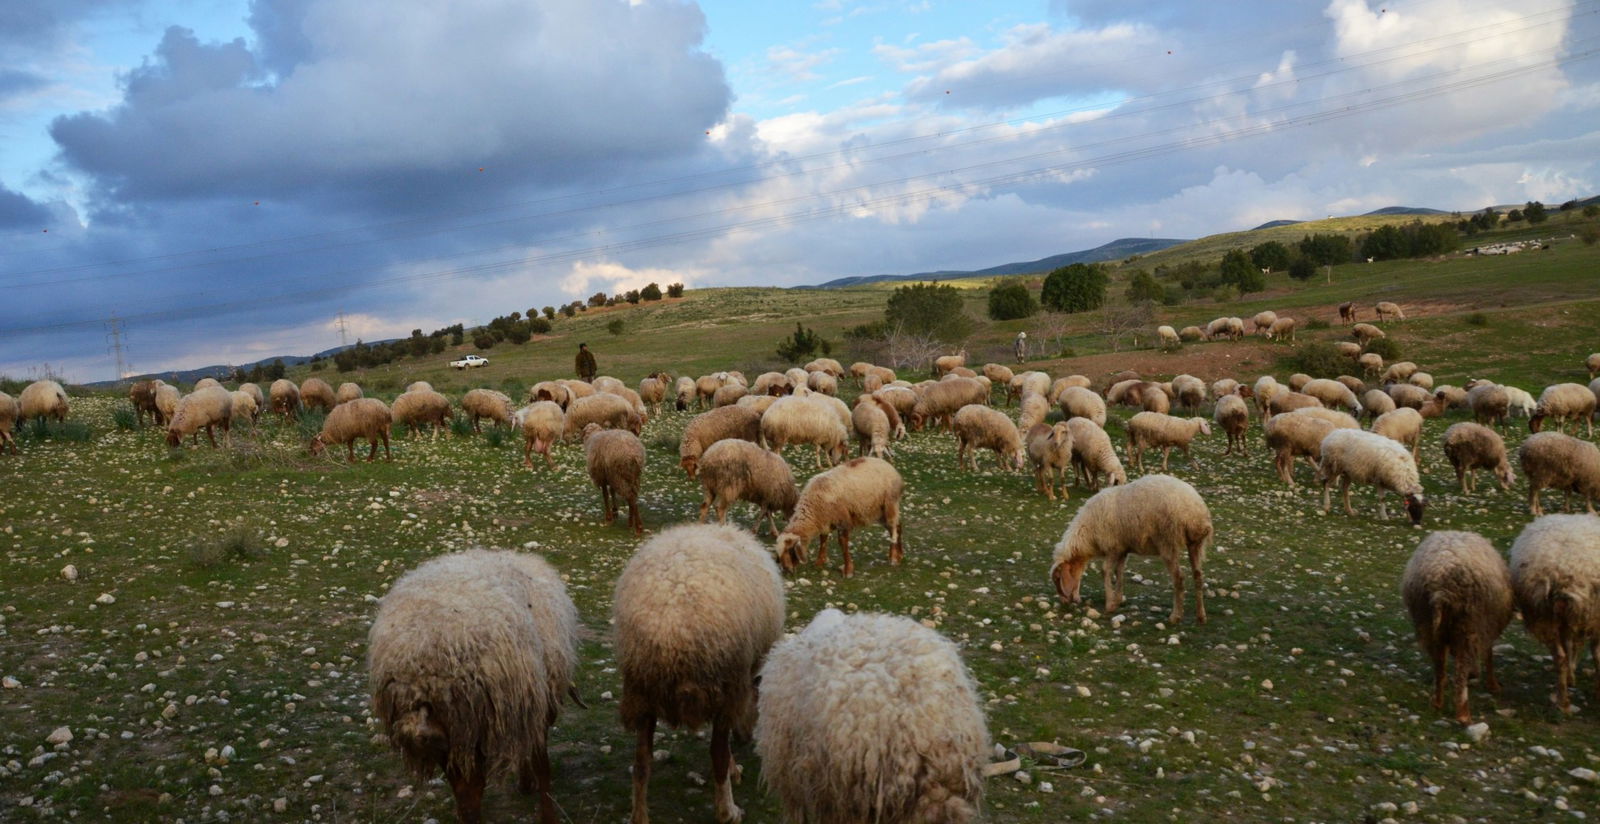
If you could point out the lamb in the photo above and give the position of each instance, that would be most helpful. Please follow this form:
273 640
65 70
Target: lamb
1471 446
1155 515
940 401
208 408
1555 576
1263 321
353 420
469 658
603 408
1299 434
285 399
653 390
1169 337
1563 401
823 383
615 459
1333 394
244 407
1354 456
1371 364
554 391
696 610
1190 391
684 390
1457 589
142 395
1349 349
1399 371
979 427
422 407
486 403
1033 411
1092 455
854 493
805 421
949 363
871 717
347 392
10 411
1390 309
1375 402
871 425
42 399
1232 415
707 428
1050 452
736 470
1364 333
1192 333
1154 430
315 393
1557 461
167 398
542 424
1282 329
772 383
1522 404
1592 363
1403 426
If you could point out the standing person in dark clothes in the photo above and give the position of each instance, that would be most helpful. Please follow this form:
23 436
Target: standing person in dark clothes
585 363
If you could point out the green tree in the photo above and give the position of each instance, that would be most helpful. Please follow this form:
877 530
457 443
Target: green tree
483 340
1327 249
928 309
631 296
569 309
274 370
538 326
549 313
675 290
1385 243
1302 268
1238 270
1011 300
1144 287
803 345
1272 255
1514 216
1077 287
650 292
1534 212
518 333
616 326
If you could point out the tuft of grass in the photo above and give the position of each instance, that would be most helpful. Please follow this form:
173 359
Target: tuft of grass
310 423
495 437
237 540
460 426
1317 323
1477 319
40 429
125 418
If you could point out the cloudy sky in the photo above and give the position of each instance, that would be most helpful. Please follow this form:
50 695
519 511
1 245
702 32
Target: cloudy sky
226 176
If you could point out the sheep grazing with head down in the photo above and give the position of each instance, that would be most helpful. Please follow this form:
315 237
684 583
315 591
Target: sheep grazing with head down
208 408
871 717
254 391
1389 309
857 492
419 386
1565 402
1192 334
421 407
1190 391
1353 456
354 420
1332 394
1349 349
142 395
1155 515
206 383
1081 402
822 383
1411 396
244 407
707 428
615 458
1471 447
469 659
999 376
871 426
1371 363
1555 575
1263 321
1288 402
542 424
1036 382
603 409
803 420
606 383
348 392
1297 381
1265 387
1282 329
772 383
949 363
653 390
1376 402
696 610
315 393
1050 452
1592 363
1153 430
1457 589
735 470
1364 333
940 401
553 391
684 392
1552 460
1403 426
1299 434
1232 415
979 427
285 399
10 411
1169 337
1092 455
42 399
1033 410
1398 372
731 394
486 403
825 365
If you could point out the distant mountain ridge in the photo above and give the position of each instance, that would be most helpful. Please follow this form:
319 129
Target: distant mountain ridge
1115 250
224 372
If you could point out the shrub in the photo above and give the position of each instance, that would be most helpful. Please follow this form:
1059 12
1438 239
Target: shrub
1477 319
1302 268
616 326
1144 287
1317 323
1078 287
803 345
1319 360
124 417
928 309
240 539
483 340
650 292
1011 301
675 290
1385 348
495 437
539 326
40 429
459 425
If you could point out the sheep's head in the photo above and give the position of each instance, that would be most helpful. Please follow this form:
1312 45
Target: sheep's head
917 419
1504 475
317 445
1205 425
791 551
681 404
589 429
1536 421
1068 578
1117 477
1414 505
174 440
690 464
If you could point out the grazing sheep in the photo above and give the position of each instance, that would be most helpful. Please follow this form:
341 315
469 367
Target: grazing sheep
208 408
1332 394
142 395
1408 395
826 365
1092 455
486 403
1282 329
244 406
419 408
1126 392
1354 456
1155 515
347 392
1522 404
1298 380
1299 434
418 386
797 377
603 408
315 393
469 658
576 389
1354 384
707 428
736 470
255 392
1228 386
759 403
1388 309
949 363
871 717
1265 387
883 374
1470 447
1154 430
731 394
696 610
802 420
653 390
1489 402
43 399
772 383
1403 426
685 393
1060 385
1154 397
1217 329
857 492
706 386
635 402
1422 379
1235 328
1399 372
1347 312
939 402
1024 382
1122 377
542 424
285 399
615 458
1000 375
903 400
1050 452
1289 401
1190 391
1033 410
979 427
1364 333
1454 397
1555 575
1169 337
206 383
1457 589
1371 364
1192 334
961 372
554 391
1592 363
859 370
1563 401
1376 402
823 383
1232 415
167 397
354 420
1349 349
10 411
606 383
871 425
1263 321
1556 461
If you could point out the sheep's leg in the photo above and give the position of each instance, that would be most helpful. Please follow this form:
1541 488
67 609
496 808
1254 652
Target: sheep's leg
1563 668
1533 499
1327 505
642 756
634 520
1383 509
844 549
1176 574
1436 655
721 764
1463 670
1195 554
211 436
891 520
1166 452
1489 681
1344 488
527 454
350 450
1038 477
468 790
822 551
607 505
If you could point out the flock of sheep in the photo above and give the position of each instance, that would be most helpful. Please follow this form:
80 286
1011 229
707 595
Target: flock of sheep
875 717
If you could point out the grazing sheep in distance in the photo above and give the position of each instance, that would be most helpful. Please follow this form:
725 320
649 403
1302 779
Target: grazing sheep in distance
737 470
1364 333
1155 515
857 492
1192 334
418 408
979 427
206 383
1408 395
871 425
707 428
285 399
1050 452
1022 383
1354 456
1298 380
904 402
347 392
10 411
1556 461
1092 455
1122 377
1218 329
143 397
615 458
1371 364
1263 321
208 408
1522 404
418 386
1282 328
1398 372
871 717
759 403
1457 590
827 365
1347 312
542 424
1169 337
1388 309
469 657
1354 384
653 390
1471 446
1154 430
684 389
1563 401
1592 363
1403 426
1288 401
1299 434
1376 402
42 399
353 420
802 420
603 408
315 393
1454 397
941 401
554 391
1000 376
1332 394
1555 575
1349 349
486 403
823 383
606 383
696 610
1232 414
731 394
1190 391
772 383
1422 379
949 363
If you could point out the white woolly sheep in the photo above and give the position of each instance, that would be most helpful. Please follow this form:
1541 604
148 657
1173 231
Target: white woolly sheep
1189 391
797 377
871 717
1154 397
903 399
254 391
1457 589
1399 371
1218 329
167 397
606 383
979 427
469 658
1033 410
759 403
1592 363
285 398
486 403
1122 377
857 492
1236 328
1555 576
772 383
1454 396
206 409
603 408
418 386
1000 375
315 393
1092 455
1470 447
1192 333
1263 321
1282 329
576 389
707 428
1353 456
685 392
1375 402
803 420
653 390
1297 381
1564 402
827 365
696 610
1155 515
870 421
948 363
823 383
615 459
42 399
542 424
737 470
354 420
554 391
1490 403
1227 386
1556 461
1332 394
1154 430
1169 337
10 411
1050 452
1389 309
206 383
1371 364
1364 333
1024 382
731 394
1125 392
1354 384
1299 434
419 408
1232 415
1422 379
1288 401
1265 387
1350 350
939 402
1522 404
347 392
859 370
1403 426
1405 394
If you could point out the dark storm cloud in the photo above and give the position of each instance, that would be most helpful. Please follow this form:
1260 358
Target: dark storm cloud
17 211
15 82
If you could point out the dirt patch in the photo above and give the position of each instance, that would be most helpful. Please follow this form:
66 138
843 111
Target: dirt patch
440 497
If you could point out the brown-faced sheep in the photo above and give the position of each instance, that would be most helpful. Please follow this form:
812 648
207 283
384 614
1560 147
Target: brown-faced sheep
486 403
979 427
347 392
1155 515
1050 452
1389 309
939 402
603 408
1296 435
208 408
1470 447
469 658
285 397
615 458
10 411
1457 589
707 428
871 718
542 424
1555 574
1347 312
1154 430
1365 333
554 391
1556 461
1081 402
857 492
42 399
772 383
1092 455
706 386
1403 426
1232 415
315 393
696 610
1354 456
871 426
419 408
1564 402
802 420
142 395
354 420
736 470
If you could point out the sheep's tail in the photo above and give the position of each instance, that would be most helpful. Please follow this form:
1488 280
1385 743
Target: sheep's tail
421 739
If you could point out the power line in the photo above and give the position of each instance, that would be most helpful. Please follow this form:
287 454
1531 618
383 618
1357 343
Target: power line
114 333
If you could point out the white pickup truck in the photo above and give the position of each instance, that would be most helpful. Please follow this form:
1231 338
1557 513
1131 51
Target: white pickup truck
470 361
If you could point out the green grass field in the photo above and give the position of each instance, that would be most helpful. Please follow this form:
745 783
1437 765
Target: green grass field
1303 699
